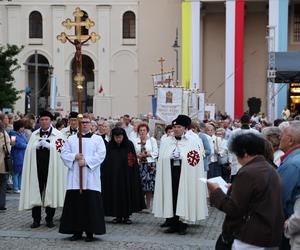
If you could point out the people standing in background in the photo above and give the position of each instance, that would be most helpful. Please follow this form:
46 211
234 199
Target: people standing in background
29 123
147 153
127 125
4 146
292 227
272 134
19 145
285 113
72 129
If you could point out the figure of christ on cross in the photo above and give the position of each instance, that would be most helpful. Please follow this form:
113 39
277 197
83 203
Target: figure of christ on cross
78 56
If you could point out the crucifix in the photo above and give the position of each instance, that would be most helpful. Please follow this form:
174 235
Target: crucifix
36 66
78 40
162 60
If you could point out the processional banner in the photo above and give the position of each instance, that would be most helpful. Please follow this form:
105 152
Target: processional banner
169 103
162 79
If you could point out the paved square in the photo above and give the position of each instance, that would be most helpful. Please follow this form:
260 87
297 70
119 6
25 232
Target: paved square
144 233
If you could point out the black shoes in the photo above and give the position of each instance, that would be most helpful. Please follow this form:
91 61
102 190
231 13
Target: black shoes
89 237
165 224
182 231
170 230
2 208
76 237
127 221
117 220
35 224
50 224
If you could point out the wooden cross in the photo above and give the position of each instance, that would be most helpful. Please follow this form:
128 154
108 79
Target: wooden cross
78 40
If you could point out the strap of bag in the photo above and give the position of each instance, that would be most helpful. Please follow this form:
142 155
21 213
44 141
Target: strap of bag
5 145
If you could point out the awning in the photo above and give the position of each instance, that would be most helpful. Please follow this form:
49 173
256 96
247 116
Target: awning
287 66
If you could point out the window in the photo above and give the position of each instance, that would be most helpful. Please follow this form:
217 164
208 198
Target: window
296 23
129 25
35 25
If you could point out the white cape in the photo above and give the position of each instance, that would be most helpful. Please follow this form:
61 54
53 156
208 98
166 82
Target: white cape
191 202
57 174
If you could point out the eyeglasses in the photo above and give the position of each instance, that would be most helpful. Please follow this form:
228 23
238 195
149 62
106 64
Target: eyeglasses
85 122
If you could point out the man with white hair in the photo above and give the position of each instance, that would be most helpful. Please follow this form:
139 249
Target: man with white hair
289 170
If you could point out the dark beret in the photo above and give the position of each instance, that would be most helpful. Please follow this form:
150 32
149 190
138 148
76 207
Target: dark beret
46 113
182 120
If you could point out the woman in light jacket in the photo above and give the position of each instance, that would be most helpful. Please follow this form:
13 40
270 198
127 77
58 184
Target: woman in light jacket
147 154
292 227
3 172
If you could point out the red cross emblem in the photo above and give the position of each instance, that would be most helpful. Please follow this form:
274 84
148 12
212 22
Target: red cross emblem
193 158
59 144
131 159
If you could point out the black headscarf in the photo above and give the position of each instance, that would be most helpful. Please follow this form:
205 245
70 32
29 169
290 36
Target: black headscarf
115 132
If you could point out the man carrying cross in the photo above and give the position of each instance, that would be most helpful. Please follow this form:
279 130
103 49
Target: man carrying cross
83 212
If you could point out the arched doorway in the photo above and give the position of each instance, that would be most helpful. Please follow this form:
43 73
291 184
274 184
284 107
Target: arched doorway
88 85
38 83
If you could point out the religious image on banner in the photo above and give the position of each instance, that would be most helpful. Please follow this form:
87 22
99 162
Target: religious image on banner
169 103
169 97
210 111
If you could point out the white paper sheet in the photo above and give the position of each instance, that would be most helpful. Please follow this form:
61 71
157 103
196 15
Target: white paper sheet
218 180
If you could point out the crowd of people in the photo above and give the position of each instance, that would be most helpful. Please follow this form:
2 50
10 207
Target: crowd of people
116 167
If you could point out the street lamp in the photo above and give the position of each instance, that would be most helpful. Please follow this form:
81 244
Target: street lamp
176 49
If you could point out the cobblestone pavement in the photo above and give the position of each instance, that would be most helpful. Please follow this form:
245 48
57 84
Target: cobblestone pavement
144 233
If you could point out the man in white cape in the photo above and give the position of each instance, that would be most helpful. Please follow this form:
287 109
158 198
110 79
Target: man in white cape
179 194
44 176
72 129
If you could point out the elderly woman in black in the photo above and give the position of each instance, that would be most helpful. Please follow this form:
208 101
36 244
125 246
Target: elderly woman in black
121 184
254 214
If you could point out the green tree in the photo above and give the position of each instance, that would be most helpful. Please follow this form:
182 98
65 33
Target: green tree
8 64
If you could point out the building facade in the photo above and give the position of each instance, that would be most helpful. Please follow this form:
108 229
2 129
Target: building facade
224 50
134 35
230 41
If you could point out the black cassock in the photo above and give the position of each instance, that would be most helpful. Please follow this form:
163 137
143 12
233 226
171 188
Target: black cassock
121 185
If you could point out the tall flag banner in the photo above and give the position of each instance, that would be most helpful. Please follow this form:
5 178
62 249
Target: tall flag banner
201 108
53 94
239 58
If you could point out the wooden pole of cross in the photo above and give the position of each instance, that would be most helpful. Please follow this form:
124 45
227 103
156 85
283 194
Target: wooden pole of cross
78 40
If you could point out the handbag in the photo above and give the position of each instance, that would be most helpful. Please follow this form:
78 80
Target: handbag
224 242
7 159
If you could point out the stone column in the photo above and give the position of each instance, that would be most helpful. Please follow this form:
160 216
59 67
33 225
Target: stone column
14 25
58 59
102 101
